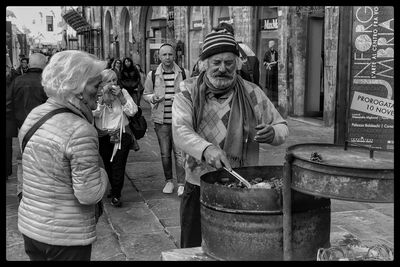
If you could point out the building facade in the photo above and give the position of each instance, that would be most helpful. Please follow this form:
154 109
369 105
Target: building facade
306 38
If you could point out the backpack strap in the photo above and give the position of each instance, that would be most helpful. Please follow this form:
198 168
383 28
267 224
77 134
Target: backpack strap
39 123
153 77
183 73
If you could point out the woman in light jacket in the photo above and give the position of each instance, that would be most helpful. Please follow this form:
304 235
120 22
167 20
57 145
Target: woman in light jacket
115 136
62 174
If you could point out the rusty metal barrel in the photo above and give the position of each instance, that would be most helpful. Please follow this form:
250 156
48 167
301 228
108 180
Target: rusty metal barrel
246 223
350 172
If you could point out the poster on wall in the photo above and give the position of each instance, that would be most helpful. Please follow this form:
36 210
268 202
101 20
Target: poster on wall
154 57
371 111
269 70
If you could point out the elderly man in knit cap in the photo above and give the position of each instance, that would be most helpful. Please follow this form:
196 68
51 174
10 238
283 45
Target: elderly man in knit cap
219 120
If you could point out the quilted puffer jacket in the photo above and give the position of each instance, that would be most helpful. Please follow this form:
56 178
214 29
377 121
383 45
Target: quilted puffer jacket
62 180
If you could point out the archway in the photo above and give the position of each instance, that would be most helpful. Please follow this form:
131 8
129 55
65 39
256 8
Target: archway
127 39
108 36
195 34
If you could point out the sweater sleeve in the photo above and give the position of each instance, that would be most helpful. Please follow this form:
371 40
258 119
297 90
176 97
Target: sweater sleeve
186 139
270 115
148 88
130 108
89 181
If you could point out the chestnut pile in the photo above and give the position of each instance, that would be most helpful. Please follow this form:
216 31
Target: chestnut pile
258 182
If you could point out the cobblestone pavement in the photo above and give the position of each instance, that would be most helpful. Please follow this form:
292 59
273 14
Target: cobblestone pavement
148 222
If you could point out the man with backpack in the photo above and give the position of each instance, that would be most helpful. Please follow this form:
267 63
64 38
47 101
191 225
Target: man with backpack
160 87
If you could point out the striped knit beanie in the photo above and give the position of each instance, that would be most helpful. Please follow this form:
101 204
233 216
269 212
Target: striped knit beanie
219 42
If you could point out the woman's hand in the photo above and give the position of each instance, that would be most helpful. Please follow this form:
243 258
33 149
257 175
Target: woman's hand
116 90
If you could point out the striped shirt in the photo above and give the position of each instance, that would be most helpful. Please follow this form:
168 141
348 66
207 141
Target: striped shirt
169 94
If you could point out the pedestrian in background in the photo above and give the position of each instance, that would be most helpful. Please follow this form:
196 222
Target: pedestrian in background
142 81
109 62
160 94
219 120
62 174
116 66
130 78
26 93
115 136
11 125
23 66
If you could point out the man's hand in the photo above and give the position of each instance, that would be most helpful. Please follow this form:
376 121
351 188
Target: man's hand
156 99
216 157
265 133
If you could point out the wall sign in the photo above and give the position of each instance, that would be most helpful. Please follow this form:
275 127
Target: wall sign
371 114
269 24
225 19
197 25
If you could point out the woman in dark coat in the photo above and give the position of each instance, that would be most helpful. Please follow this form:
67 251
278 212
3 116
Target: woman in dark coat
130 79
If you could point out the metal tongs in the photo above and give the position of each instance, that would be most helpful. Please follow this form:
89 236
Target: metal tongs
239 177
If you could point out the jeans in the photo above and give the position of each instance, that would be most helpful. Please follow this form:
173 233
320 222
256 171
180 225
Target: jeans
164 135
115 169
38 251
190 216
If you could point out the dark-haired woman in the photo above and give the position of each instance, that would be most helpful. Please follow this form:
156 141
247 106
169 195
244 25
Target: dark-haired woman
130 78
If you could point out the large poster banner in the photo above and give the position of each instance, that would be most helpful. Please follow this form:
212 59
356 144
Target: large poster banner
371 111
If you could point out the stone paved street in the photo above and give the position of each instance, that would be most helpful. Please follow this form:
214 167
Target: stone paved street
148 222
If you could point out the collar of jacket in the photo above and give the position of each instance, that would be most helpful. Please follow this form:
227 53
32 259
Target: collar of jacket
75 106
176 69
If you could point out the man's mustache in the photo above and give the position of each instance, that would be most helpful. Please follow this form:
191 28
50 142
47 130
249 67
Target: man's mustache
222 75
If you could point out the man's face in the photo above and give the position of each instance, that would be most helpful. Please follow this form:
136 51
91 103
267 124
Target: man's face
167 55
271 44
221 69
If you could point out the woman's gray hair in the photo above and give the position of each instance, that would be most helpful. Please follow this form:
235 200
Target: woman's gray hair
203 64
68 72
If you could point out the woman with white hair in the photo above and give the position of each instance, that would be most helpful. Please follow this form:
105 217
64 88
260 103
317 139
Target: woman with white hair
62 174
115 136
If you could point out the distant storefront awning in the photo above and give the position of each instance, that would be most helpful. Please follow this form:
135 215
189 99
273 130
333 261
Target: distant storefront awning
76 21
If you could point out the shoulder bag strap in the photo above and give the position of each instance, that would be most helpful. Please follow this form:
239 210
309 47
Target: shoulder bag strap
32 130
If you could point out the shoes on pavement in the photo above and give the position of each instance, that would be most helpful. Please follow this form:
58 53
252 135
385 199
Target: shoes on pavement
180 190
168 188
116 202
